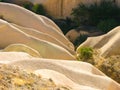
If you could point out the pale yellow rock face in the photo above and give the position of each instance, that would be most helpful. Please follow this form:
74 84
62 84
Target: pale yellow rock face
53 63
53 5
22 48
50 22
43 36
76 75
45 48
28 17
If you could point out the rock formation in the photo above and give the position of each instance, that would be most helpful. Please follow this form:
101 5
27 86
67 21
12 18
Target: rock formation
43 36
87 31
28 17
108 44
72 35
25 35
22 48
107 56
15 35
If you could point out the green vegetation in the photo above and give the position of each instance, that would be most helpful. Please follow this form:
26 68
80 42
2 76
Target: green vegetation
1 0
28 5
97 14
39 9
107 25
85 53
109 66
65 24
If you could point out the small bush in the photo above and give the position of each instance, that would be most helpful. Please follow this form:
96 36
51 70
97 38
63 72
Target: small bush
85 53
107 25
39 9
28 5
80 14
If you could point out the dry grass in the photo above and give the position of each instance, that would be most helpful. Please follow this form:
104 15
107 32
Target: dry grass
14 78
109 66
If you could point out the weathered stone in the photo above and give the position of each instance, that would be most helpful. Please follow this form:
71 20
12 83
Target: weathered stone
108 43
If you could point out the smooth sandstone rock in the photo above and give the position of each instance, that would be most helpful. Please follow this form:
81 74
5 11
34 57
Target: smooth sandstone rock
72 73
108 44
63 80
43 36
22 48
26 18
50 22
7 57
46 49
79 75
72 35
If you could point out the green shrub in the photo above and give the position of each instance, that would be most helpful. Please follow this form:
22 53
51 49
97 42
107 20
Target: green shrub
39 9
80 14
1 0
107 25
94 13
65 24
28 5
85 53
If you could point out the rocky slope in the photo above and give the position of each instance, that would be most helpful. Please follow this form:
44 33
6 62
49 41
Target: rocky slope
18 78
22 47
108 59
108 44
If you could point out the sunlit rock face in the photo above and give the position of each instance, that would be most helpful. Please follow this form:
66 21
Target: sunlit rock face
108 44
20 43
26 30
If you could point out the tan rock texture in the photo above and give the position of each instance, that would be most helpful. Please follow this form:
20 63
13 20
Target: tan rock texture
43 36
50 22
54 62
76 75
108 44
45 48
22 48
72 35
29 17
